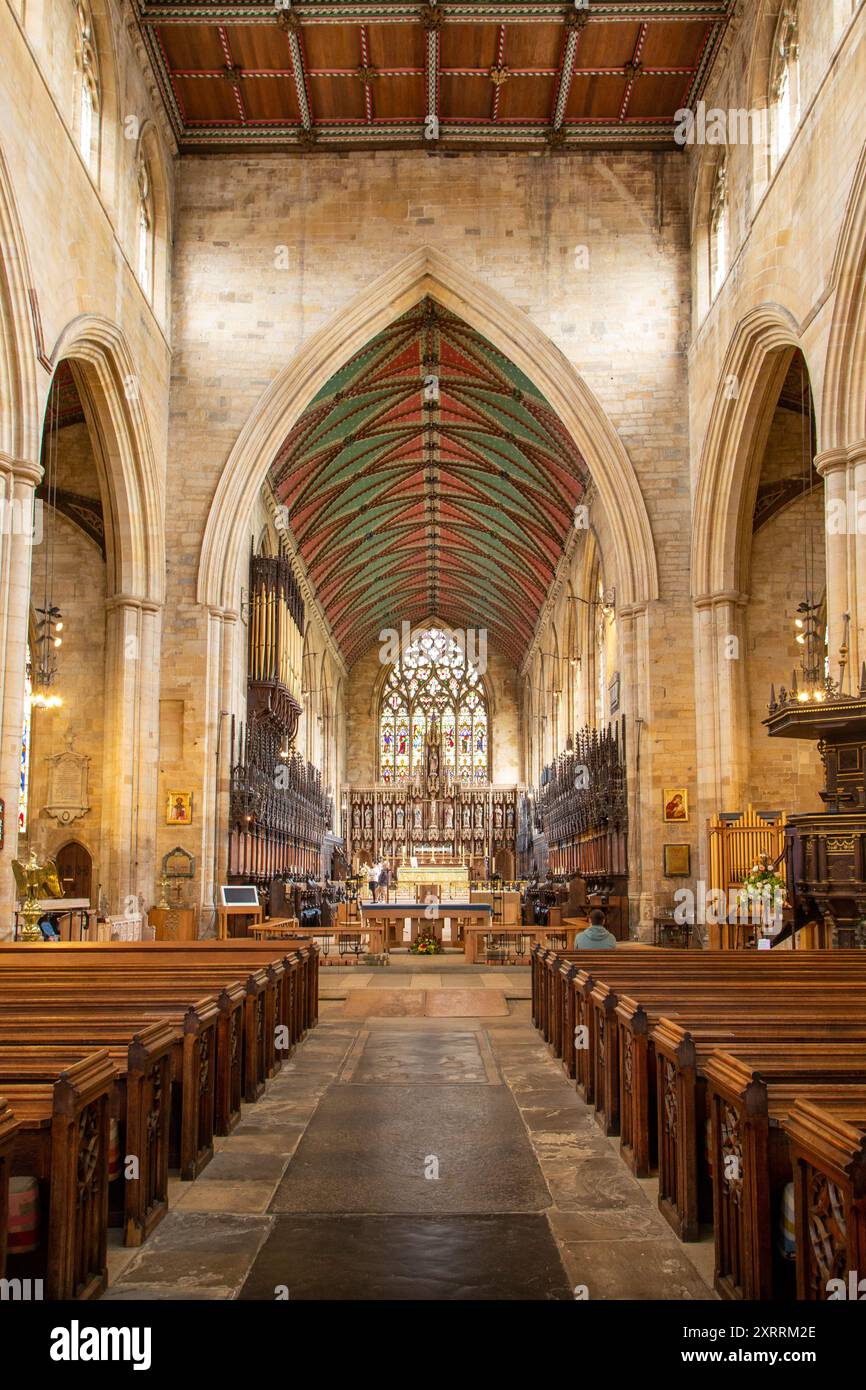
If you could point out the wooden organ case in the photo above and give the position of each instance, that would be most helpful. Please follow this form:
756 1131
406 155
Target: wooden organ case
278 811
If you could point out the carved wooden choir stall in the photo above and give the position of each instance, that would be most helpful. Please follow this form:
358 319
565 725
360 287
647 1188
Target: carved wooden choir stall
582 808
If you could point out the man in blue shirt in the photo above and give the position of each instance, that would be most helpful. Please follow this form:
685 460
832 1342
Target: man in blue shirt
595 937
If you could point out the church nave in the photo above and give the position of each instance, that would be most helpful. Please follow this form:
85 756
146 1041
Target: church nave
326 1189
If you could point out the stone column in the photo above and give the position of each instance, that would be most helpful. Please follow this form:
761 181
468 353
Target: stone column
221 699
131 752
18 480
856 572
635 683
842 544
722 705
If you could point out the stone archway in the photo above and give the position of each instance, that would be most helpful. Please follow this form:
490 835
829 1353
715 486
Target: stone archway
422 274
132 506
754 369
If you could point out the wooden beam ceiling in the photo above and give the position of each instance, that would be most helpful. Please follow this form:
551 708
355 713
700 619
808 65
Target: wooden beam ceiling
445 76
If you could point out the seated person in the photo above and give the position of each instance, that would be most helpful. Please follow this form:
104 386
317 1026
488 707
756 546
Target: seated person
595 937
48 928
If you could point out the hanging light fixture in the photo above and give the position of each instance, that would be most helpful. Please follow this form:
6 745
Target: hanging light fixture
811 684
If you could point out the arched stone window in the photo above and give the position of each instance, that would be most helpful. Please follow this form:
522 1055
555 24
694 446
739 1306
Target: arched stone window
720 234
434 678
784 96
144 225
87 86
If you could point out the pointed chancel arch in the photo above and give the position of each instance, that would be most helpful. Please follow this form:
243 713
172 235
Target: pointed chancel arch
430 474
509 331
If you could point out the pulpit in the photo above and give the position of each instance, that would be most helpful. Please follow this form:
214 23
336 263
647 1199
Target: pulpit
825 850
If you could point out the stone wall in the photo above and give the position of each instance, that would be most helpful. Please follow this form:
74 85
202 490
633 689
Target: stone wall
781 293
70 288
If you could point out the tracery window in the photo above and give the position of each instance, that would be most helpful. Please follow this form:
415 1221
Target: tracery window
784 83
434 679
719 229
87 76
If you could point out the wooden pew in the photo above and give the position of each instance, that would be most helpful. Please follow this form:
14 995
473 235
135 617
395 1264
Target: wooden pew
301 957
682 1106
751 1161
8 1127
638 1062
194 1059
62 1140
665 992
259 992
141 1103
828 1156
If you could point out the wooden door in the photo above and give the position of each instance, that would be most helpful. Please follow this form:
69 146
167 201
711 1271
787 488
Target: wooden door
75 870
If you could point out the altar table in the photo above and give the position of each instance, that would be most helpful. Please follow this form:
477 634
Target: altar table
437 878
391 918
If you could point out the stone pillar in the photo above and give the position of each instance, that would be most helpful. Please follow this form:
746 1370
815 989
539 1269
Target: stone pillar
18 480
722 705
856 572
131 752
221 685
842 543
635 683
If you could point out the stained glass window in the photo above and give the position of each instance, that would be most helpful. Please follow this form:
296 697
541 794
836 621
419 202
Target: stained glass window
434 679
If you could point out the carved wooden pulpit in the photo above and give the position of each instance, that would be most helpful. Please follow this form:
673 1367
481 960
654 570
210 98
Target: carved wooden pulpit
826 850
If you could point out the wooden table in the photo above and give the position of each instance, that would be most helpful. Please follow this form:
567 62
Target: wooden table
472 937
391 918
276 928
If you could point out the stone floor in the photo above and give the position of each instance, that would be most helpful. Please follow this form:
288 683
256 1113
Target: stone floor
421 1144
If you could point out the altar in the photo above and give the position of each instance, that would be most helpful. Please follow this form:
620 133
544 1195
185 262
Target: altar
440 880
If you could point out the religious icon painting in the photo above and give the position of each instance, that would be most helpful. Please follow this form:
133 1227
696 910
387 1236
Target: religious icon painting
676 804
179 808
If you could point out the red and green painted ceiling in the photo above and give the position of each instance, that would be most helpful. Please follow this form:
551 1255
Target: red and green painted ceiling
429 477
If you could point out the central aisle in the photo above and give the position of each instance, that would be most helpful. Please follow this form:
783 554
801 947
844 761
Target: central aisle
421 1144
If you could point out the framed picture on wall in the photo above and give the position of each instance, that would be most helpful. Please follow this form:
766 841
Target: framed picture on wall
675 802
677 861
179 808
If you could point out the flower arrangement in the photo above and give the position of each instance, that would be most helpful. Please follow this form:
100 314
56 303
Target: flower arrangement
764 886
425 944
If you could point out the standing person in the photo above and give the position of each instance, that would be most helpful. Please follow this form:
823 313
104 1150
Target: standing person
373 880
384 878
595 937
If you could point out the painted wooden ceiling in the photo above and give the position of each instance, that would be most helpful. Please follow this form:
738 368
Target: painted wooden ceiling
430 477
453 75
